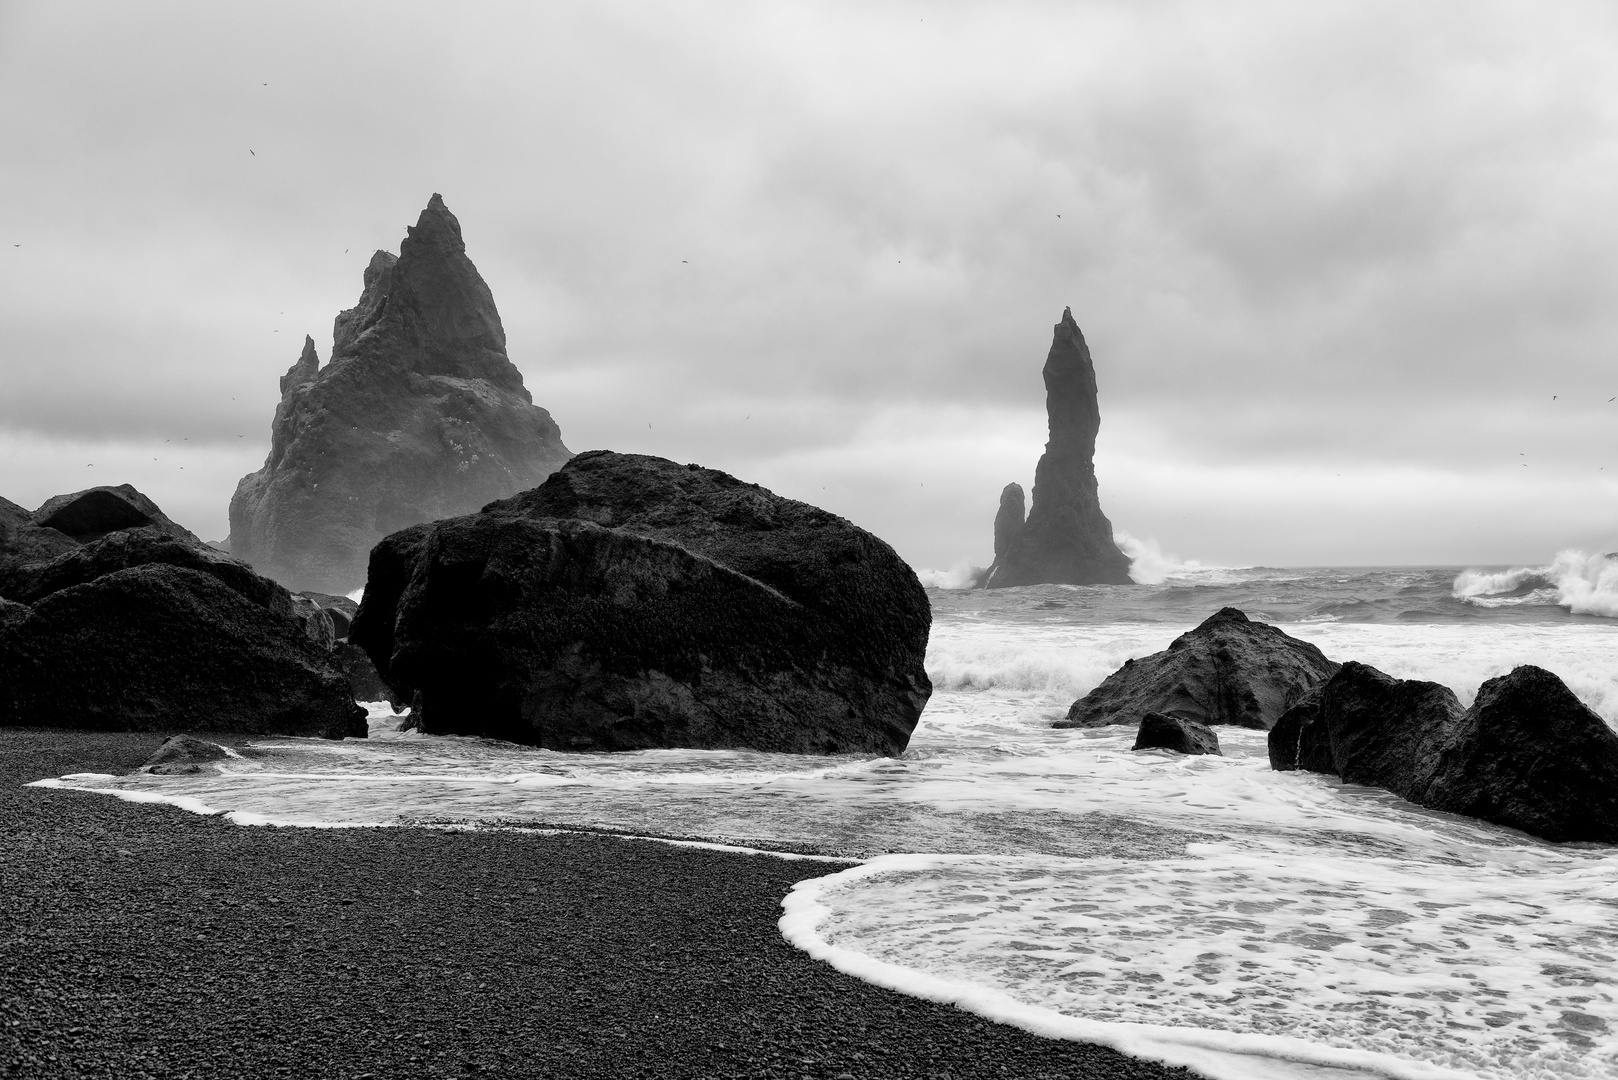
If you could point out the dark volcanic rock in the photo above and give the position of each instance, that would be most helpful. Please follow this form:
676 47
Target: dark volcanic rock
181 754
1527 754
631 602
159 647
1229 670
363 680
1067 539
340 609
420 415
1161 732
94 512
1008 520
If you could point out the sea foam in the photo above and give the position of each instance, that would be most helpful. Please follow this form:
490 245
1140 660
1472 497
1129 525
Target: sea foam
1583 584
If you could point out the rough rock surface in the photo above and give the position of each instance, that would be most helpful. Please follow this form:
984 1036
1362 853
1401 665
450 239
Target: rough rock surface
1527 754
1161 732
1008 520
631 602
1229 670
363 680
340 609
1066 540
131 623
182 754
159 647
419 415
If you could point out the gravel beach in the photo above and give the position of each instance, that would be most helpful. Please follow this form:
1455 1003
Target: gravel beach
145 941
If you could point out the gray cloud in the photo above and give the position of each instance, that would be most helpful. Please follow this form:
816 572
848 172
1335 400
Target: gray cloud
815 243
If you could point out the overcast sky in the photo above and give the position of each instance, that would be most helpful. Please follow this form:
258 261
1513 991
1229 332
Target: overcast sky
1347 270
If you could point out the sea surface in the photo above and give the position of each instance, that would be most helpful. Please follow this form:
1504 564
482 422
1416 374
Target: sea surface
1200 910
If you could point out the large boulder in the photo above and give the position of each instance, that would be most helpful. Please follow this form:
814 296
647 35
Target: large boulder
1228 670
419 415
1527 754
631 602
1176 733
158 647
1066 540
94 512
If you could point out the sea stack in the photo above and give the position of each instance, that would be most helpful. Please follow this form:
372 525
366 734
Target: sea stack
1066 540
420 415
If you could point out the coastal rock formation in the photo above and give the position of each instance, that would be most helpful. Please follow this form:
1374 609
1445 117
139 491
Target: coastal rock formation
1067 539
1528 754
160 647
631 602
1008 520
1161 732
182 754
419 415
1229 670
115 618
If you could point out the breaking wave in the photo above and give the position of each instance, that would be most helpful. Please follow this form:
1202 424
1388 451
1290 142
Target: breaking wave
1583 584
963 575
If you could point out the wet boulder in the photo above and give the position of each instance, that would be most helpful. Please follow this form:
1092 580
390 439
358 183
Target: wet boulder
94 512
1228 670
631 602
1528 754
1161 732
157 647
182 754
340 609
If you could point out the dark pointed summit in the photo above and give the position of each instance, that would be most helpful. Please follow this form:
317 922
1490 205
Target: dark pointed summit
419 415
1066 539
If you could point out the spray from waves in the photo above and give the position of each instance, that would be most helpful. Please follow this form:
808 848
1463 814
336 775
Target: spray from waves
963 575
1584 584
1149 564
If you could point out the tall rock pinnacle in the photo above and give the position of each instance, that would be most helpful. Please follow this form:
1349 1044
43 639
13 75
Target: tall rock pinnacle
1067 539
419 415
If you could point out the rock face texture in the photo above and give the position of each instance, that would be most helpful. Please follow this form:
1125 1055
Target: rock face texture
631 602
1527 754
134 624
419 415
1229 670
1066 540
1008 520
1161 732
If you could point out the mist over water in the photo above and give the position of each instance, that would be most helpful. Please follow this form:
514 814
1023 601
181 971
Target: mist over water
1205 910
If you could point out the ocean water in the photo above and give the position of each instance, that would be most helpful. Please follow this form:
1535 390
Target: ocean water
1204 911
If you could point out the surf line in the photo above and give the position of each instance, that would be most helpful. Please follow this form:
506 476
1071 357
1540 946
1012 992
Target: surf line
1219 1055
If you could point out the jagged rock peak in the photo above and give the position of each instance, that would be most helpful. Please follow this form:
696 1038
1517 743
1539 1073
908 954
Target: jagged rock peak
1009 519
304 369
419 415
1066 539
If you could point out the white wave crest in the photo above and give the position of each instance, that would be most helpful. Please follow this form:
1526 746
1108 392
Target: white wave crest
963 575
1584 584
1149 564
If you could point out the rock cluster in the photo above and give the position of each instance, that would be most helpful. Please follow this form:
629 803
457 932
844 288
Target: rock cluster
1527 754
114 618
419 415
1066 539
632 602
1229 670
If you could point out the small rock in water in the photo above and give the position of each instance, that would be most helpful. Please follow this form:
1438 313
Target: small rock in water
1162 732
182 754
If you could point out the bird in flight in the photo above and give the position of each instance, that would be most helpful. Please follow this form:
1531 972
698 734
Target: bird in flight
251 152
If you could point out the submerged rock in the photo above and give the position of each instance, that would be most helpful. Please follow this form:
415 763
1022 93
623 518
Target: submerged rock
631 602
1528 754
1066 540
1161 732
1228 670
132 623
419 415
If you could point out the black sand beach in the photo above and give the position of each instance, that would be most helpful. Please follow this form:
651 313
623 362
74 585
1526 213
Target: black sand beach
145 941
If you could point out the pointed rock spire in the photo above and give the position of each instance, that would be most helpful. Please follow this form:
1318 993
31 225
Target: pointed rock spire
307 365
1066 539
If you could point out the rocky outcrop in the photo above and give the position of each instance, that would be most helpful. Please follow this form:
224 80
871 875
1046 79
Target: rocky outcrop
1008 520
419 415
161 647
1528 754
1229 670
631 602
1161 732
1066 540
130 623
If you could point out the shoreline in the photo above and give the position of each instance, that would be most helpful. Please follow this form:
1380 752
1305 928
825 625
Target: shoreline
144 940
